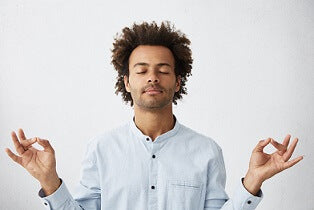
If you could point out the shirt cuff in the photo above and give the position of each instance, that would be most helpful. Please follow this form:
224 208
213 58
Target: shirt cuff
56 199
244 199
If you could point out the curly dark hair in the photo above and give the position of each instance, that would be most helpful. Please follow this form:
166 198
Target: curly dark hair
151 34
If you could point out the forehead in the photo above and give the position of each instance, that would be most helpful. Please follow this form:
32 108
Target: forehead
151 55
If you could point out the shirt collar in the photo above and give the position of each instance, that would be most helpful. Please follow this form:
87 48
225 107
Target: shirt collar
138 133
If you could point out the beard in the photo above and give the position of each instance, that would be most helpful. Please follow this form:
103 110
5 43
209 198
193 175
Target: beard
153 102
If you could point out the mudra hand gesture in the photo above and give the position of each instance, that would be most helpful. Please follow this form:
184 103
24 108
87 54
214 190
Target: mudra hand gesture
41 164
263 166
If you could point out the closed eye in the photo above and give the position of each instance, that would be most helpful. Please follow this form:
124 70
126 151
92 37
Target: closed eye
143 72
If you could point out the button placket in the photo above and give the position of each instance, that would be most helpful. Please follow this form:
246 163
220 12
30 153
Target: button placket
47 206
152 200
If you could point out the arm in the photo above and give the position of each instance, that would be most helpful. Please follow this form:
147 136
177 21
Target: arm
216 196
86 195
262 167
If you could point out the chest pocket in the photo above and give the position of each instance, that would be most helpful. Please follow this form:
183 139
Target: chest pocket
184 195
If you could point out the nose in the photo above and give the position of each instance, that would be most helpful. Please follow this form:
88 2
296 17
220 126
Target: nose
153 78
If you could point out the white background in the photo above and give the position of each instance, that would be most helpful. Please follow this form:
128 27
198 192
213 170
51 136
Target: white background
252 79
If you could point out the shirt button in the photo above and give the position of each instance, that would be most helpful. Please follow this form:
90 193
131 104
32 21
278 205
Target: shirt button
153 187
153 156
147 139
249 202
45 204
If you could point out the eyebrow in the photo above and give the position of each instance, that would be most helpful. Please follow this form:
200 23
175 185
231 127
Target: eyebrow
146 64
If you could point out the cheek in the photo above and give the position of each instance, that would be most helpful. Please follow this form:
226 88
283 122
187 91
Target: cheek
134 84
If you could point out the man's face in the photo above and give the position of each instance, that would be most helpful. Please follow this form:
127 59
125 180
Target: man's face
152 81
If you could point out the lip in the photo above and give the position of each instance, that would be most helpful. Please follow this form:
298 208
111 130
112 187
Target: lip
153 91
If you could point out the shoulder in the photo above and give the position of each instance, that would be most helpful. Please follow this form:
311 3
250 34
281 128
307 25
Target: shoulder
108 137
199 140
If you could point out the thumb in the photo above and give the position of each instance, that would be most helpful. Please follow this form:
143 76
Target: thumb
45 144
261 144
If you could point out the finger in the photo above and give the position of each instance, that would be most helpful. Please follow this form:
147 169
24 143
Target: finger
18 147
292 162
290 151
21 134
261 144
280 147
28 142
45 144
286 140
14 157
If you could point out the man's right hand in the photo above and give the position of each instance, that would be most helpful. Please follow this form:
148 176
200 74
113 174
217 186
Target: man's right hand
41 164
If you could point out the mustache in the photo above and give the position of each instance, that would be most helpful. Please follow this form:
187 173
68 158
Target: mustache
154 87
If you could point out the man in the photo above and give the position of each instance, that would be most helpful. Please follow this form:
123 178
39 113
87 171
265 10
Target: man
153 161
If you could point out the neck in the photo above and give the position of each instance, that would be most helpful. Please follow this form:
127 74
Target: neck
154 123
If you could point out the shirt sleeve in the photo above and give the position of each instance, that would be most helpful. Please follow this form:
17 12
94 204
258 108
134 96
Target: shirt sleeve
87 194
216 196
60 199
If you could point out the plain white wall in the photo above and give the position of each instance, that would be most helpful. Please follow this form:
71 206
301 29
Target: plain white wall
252 79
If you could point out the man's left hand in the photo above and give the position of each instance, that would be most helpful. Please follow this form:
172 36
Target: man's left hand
263 166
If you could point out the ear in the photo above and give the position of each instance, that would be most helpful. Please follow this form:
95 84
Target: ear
126 83
178 83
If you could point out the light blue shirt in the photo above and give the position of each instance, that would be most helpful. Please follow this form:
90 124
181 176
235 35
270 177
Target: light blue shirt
124 169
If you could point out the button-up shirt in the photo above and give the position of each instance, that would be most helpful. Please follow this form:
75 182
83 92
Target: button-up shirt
124 169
